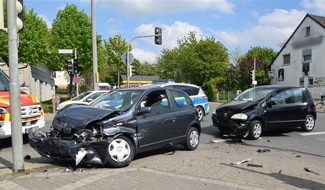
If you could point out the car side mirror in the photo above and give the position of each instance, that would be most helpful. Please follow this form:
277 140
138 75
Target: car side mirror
89 100
271 103
144 110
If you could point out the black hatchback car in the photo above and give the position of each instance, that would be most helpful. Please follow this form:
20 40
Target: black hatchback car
265 107
130 121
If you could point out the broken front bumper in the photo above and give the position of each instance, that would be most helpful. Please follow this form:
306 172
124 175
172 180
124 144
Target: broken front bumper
232 127
90 152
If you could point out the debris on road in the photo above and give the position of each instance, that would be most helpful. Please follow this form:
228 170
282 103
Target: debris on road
264 150
240 162
255 165
311 171
27 157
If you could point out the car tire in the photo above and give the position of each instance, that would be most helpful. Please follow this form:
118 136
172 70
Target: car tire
200 112
192 139
120 152
309 123
255 130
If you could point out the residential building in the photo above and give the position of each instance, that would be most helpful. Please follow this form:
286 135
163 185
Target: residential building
38 78
301 61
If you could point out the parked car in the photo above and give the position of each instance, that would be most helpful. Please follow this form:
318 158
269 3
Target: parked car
104 86
32 113
138 119
199 98
84 98
266 107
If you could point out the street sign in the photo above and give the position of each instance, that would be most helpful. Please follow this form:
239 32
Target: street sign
124 58
65 51
77 79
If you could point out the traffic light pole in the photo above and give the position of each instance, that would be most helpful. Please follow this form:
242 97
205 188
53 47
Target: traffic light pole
75 59
128 57
15 109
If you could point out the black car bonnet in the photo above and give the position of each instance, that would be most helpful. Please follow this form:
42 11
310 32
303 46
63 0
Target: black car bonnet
238 105
78 117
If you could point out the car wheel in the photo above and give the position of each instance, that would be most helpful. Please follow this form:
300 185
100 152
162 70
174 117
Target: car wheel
120 152
309 123
192 139
255 130
200 112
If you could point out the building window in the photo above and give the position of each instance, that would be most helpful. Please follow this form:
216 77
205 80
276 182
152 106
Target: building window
308 31
310 81
281 75
286 59
301 82
306 55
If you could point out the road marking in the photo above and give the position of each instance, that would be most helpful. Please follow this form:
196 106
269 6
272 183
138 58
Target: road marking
313 133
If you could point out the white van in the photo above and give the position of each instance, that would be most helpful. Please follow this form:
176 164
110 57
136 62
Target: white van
104 86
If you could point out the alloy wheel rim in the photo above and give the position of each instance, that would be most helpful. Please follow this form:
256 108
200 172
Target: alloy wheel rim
194 138
310 123
257 130
200 113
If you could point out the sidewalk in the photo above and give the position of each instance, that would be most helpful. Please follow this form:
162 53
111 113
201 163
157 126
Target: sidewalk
211 166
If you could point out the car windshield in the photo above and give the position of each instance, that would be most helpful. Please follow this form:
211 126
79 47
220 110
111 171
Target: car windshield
81 96
253 94
118 100
4 81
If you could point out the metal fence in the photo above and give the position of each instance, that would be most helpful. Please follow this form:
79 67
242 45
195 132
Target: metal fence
225 96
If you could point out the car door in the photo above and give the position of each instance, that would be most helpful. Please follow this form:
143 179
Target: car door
153 126
289 108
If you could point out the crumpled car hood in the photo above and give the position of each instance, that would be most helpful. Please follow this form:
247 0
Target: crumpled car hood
78 117
238 105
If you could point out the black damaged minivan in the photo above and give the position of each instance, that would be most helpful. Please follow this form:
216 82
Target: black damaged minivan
265 107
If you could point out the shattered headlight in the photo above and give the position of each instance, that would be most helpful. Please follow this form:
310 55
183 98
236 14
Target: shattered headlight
240 116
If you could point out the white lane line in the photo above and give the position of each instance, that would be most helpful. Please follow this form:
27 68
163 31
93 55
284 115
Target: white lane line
313 133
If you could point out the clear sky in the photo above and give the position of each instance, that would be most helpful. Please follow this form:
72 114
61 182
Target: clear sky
235 23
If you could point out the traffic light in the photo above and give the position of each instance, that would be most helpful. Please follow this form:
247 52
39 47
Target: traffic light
253 75
69 66
131 70
75 66
20 15
158 36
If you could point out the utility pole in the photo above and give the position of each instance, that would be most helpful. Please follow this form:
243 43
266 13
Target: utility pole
15 109
94 44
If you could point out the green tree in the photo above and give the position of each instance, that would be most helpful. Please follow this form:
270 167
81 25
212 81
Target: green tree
33 41
263 58
202 62
114 49
72 29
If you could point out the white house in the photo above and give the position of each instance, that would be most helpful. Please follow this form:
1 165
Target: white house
301 61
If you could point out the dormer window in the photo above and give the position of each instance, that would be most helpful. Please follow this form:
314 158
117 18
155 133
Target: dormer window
308 31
